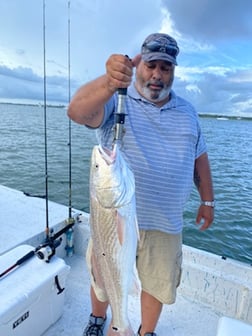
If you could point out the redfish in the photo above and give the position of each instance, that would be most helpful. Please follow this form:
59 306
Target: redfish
114 232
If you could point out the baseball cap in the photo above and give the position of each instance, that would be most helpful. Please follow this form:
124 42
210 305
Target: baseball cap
160 46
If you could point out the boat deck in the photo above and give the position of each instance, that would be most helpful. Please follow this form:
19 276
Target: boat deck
23 218
184 318
210 287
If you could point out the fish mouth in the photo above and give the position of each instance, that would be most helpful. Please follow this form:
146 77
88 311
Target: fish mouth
108 155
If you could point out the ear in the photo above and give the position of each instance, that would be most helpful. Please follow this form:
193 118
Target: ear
136 60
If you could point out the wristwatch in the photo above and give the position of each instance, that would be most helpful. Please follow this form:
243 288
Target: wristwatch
208 203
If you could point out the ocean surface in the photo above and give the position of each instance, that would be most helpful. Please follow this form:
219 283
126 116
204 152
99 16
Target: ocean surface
22 167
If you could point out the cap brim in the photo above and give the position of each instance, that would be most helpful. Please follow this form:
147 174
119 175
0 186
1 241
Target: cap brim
156 56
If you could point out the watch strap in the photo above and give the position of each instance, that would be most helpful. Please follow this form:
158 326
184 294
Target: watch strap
208 203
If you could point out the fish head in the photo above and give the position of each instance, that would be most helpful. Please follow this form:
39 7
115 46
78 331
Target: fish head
111 180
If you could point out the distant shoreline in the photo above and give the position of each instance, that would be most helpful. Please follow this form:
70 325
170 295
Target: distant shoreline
223 116
201 115
35 104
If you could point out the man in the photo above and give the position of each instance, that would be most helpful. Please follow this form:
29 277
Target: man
166 151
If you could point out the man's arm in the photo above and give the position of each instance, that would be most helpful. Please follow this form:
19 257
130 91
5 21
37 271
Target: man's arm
87 105
203 182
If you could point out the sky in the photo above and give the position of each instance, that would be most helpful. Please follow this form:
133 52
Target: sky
214 69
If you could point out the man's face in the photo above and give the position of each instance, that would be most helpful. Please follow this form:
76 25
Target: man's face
154 80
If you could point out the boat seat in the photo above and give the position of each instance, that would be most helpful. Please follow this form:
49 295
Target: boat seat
231 327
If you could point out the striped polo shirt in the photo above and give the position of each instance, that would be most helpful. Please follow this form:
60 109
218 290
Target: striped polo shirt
161 145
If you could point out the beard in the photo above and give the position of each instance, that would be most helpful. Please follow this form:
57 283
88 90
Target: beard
156 95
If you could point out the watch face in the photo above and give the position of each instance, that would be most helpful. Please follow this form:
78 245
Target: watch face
209 203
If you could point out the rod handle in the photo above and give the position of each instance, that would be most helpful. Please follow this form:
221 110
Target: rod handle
25 258
122 91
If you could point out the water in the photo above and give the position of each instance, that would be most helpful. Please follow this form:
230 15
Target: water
22 158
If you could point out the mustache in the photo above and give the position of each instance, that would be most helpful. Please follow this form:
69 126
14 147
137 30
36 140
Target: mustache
158 83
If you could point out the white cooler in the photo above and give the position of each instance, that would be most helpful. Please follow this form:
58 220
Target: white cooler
31 296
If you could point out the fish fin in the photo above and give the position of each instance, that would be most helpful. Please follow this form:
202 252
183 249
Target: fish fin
94 269
135 218
120 226
137 228
135 288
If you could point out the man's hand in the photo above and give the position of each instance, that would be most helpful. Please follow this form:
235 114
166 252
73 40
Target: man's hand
119 71
206 214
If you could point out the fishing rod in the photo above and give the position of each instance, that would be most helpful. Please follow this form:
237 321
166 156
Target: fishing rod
47 231
69 120
44 251
69 233
51 243
70 221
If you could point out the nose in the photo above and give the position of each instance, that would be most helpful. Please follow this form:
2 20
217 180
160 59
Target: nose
157 73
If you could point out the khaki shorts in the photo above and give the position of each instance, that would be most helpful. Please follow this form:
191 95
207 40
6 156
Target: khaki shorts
159 259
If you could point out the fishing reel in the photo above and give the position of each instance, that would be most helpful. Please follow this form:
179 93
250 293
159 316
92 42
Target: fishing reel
47 250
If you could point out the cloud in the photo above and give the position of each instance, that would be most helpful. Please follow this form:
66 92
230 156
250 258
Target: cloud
212 20
217 92
19 73
30 86
111 27
214 71
215 39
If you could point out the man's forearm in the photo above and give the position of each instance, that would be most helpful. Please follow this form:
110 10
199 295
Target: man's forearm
87 105
203 178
